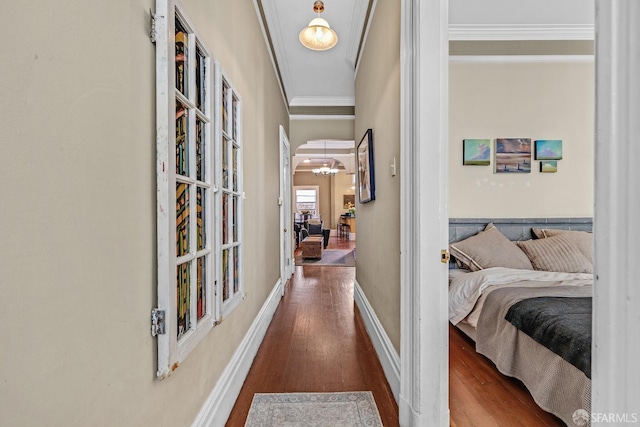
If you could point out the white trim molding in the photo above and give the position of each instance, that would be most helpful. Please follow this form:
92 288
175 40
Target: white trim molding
374 3
424 106
521 32
616 327
521 58
271 53
359 13
218 406
322 117
389 358
323 101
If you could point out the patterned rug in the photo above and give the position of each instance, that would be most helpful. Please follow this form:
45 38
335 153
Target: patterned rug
352 409
331 258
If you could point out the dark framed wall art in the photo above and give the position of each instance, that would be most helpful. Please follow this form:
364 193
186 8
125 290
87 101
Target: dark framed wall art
366 176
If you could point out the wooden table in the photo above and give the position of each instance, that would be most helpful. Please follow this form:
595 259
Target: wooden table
312 247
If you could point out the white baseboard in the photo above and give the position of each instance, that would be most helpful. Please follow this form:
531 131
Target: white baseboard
389 358
218 406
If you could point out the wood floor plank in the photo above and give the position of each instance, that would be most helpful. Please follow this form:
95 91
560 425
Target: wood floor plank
479 395
317 342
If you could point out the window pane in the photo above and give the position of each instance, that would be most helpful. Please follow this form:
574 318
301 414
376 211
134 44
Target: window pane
182 145
225 163
234 158
200 209
225 218
225 103
182 219
306 199
183 297
236 222
225 274
200 287
200 150
236 270
235 119
200 80
306 193
182 59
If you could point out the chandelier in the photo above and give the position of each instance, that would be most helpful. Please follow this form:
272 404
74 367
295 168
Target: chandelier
325 169
318 35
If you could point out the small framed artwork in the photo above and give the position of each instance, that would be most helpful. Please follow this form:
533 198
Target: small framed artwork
366 177
549 166
548 149
348 201
476 152
513 155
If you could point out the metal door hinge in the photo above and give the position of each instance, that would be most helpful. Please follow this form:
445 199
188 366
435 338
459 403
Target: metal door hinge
444 256
157 322
152 31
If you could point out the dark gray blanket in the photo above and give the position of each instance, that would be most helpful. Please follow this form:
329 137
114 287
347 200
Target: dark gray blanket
563 325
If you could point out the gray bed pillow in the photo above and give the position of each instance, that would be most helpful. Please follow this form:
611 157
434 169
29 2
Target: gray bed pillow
489 248
557 253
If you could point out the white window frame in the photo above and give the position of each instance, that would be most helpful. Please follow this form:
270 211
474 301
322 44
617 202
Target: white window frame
171 350
221 135
316 188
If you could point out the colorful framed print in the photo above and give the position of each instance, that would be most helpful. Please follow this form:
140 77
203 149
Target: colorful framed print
366 178
549 149
549 166
513 155
476 152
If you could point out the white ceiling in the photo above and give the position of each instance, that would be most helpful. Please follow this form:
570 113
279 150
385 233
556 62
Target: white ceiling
319 83
327 79
314 78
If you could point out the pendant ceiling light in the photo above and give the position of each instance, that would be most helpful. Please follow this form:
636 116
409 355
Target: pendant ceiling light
318 35
325 169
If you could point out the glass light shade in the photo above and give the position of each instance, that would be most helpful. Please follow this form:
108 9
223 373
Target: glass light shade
318 35
325 170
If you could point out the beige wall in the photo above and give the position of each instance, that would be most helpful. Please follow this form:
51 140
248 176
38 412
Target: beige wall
522 100
342 185
78 212
378 107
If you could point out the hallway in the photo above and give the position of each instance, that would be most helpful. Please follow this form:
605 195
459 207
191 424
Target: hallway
317 343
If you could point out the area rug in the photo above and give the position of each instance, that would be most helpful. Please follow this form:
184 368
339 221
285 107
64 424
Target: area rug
313 409
331 257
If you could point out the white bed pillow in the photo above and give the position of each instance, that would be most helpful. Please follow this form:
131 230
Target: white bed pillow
557 253
489 248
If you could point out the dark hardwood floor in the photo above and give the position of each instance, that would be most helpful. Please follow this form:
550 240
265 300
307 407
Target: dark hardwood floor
317 343
479 395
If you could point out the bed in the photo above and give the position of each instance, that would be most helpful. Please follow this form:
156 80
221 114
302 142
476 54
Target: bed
521 289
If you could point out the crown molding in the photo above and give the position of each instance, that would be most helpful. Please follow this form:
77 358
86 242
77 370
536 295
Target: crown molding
271 14
257 4
355 32
521 58
323 101
322 117
521 32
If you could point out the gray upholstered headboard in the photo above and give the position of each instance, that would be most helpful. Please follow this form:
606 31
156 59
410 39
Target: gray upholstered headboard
513 228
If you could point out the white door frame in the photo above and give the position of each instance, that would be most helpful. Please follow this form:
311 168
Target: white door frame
424 340
616 321
286 224
424 105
